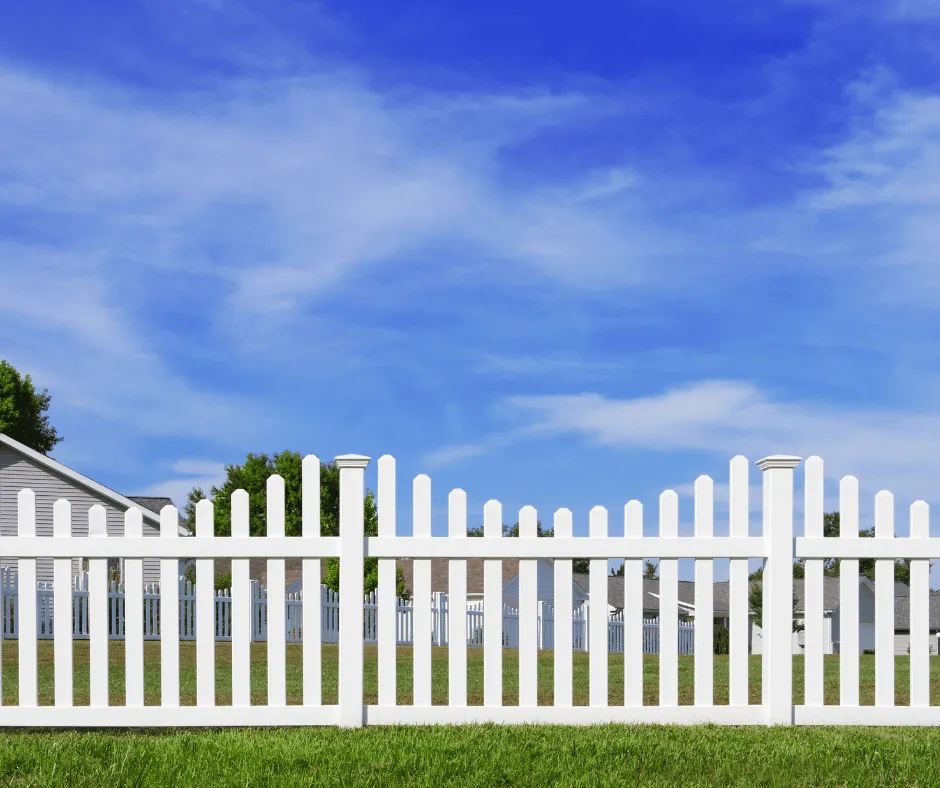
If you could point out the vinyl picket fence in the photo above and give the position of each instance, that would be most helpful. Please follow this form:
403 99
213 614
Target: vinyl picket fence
777 547
293 604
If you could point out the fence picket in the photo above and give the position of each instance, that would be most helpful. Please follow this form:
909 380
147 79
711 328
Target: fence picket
242 608
528 614
26 615
884 604
457 586
633 610
351 579
422 596
668 605
739 624
492 600
848 593
62 611
277 607
563 616
312 608
920 611
597 625
133 615
204 611
704 596
98 623
387 602
813 584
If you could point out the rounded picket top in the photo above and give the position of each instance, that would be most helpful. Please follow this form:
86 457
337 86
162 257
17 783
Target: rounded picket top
633 519
563 523
815 462
920 520
597 521
97 521
492 519
704 481
275 482
239 495
62 518
26 512
133 522
884 513
308 460
668 497
205 513
528 521
457 495
386 461
169 521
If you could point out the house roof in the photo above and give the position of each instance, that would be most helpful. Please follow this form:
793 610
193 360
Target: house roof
440 573
721 593
150 515
151 504
902 612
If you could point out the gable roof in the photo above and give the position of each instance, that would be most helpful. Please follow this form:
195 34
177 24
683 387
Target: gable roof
150 515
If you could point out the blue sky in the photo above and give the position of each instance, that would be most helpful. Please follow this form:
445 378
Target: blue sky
550 258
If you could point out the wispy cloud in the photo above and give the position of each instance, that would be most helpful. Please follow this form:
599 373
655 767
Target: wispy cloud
184 476
884 448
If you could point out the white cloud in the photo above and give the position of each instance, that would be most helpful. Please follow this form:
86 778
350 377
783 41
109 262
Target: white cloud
885 449
186 474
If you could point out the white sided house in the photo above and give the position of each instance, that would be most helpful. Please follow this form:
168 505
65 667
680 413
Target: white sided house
22 468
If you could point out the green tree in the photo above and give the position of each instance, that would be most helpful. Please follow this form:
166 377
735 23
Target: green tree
252 476
22 410
650 570
866 566
755 600
578 565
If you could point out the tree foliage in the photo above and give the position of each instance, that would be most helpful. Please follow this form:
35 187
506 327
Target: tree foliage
252 476
22 411
650 570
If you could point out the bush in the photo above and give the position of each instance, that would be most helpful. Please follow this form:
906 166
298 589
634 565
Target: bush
868 651
722 640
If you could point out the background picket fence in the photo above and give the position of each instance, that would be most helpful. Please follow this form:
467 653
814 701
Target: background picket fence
293 602
463 625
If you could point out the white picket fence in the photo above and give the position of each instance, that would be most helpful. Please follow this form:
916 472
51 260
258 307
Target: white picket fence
329 620
777 547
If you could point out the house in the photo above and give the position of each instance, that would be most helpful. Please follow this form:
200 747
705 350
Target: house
440 573
21 467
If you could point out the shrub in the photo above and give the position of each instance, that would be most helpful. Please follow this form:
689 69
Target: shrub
722 640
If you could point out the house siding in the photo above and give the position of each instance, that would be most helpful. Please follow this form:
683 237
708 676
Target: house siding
18 473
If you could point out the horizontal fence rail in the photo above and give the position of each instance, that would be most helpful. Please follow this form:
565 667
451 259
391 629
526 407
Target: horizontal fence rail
175 610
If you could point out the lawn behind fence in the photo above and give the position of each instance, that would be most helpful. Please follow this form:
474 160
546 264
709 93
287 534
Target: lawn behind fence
439 666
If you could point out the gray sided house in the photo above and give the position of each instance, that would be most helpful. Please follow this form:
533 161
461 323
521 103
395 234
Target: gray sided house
21 468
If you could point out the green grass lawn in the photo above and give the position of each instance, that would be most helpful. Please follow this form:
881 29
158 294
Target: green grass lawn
471 755
438 678
476 756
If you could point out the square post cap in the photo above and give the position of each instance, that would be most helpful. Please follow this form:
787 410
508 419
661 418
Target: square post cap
786 461
351 461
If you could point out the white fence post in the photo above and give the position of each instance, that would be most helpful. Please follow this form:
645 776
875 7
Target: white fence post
777 656
351 579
